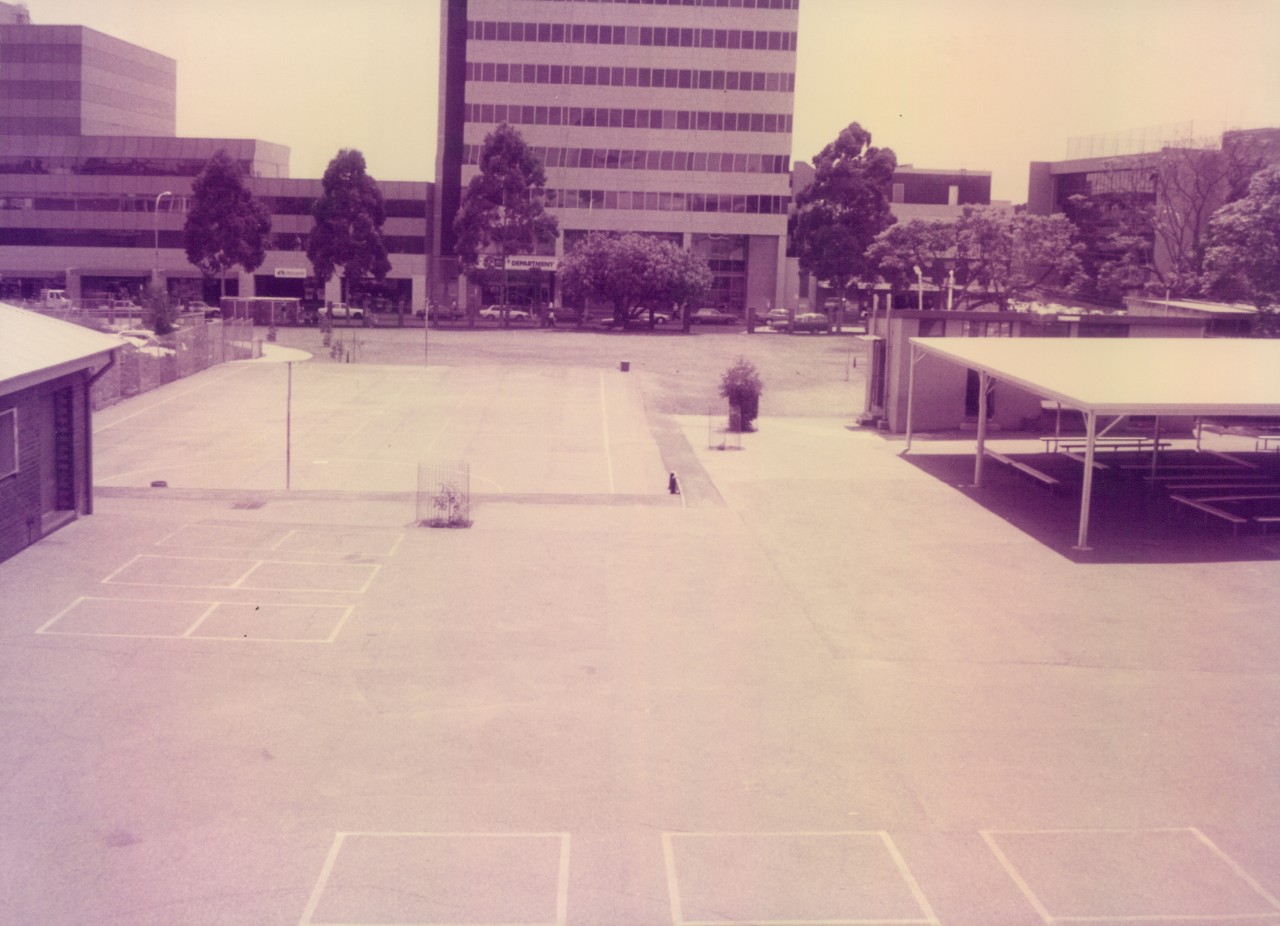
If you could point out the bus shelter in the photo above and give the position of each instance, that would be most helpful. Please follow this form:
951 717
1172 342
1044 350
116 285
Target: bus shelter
1107 380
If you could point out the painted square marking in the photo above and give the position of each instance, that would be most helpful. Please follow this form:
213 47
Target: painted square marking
127 617
793 878
342 542
281 623
224 536
181 571
431 879
1152 875
310 577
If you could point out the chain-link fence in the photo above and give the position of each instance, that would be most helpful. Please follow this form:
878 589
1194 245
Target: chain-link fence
444 494
148 361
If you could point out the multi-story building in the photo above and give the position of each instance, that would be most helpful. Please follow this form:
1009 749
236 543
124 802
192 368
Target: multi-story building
94 185
662 118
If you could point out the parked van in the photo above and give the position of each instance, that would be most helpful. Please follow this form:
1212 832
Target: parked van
56 299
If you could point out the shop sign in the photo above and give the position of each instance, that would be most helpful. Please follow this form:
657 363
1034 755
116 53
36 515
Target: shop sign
290 273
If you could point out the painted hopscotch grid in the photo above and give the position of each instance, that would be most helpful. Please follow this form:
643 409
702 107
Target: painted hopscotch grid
198 620
832 878
442 879
1130 875
149 570
339 541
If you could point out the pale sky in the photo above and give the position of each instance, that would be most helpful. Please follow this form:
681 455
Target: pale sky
976 84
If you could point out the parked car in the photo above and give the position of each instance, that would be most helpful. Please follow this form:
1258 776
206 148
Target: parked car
514 313
204 308
811 322
442 313
660 317
711 317
342 310
778 319
56 299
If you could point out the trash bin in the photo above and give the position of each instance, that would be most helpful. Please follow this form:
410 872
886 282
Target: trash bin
625 366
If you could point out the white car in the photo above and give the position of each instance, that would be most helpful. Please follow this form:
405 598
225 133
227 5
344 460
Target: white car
342 310
513 313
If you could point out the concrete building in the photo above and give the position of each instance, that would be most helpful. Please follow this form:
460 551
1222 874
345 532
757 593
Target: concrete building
672 120
94 185
46 472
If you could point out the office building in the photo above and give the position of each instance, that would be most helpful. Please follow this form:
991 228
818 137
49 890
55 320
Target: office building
94 184
668 119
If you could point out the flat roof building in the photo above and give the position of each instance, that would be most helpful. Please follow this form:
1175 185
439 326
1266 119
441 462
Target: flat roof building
95 186
673 120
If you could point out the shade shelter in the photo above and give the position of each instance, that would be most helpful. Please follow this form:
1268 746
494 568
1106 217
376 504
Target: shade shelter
1115 378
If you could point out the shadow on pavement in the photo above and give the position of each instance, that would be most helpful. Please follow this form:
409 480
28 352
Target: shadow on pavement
1128 523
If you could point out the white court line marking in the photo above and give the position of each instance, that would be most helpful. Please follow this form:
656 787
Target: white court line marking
562 878
374 569
179 395
275 547
1238 869
109 578
673 886
346 611
604 420
909 878
989 837
677 916
201 619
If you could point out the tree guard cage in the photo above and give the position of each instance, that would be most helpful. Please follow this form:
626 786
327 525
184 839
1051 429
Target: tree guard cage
1109 380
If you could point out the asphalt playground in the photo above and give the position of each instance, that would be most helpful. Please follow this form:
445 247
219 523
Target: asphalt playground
824 685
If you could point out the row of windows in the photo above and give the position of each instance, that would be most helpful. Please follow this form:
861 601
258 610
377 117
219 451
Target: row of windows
164 167
615 118
89 58
173 240
627 159
735 4
129 202
593 76
745 204
657 36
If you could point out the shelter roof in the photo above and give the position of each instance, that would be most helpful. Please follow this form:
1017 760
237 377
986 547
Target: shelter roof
1137 376
35 348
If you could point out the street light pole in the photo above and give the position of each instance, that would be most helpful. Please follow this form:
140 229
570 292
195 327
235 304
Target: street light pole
919 286
155 275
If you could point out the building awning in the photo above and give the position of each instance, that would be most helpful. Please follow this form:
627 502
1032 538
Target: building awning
1102 377
35 348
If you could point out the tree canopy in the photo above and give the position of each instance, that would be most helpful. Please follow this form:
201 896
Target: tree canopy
348 223
1242 259
633 273
998 257
502 211
840 213
226 226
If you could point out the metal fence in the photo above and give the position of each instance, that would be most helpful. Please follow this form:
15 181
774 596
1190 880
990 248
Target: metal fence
444 494
156 360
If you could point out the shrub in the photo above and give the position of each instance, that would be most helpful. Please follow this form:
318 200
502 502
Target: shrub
741 385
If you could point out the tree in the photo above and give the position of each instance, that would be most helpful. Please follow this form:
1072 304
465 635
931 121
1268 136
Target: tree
502 210
997 257
348 224
1115 231
634 273
1242 258
840 213
225 225
158 309
1003 257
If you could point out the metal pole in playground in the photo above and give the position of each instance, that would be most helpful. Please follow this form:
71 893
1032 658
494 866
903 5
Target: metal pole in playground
288 428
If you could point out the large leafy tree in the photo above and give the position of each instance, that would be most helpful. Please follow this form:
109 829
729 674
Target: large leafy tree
1242 259
226 226
840 213
348 224
634 273
502 211
997 256
1003 257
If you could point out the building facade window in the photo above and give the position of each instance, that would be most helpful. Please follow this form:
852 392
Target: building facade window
667 201
485 30
609 117
605 76
640 159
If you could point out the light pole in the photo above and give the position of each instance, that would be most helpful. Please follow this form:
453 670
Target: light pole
919 286
951 288
155 276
